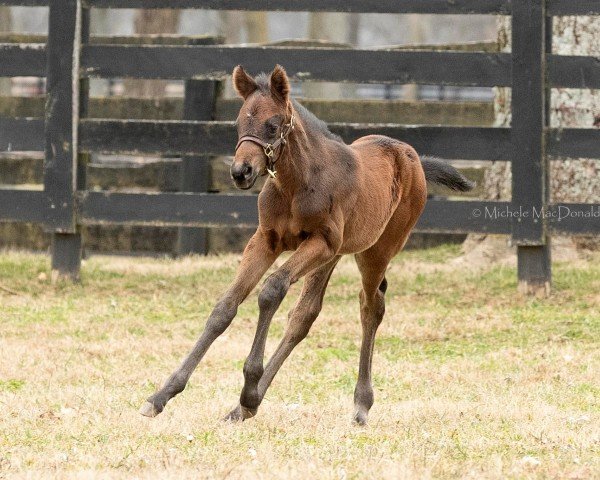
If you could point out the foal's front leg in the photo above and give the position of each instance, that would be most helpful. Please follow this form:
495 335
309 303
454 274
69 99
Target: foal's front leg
312 253
256 260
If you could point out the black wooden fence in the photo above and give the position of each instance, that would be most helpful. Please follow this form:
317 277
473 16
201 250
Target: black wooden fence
69 59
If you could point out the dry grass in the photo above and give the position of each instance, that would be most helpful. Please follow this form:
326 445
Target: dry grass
471 380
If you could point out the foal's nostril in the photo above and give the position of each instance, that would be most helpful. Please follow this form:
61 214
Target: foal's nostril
241 172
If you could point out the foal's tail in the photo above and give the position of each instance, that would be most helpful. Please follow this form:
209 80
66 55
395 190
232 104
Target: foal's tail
442 173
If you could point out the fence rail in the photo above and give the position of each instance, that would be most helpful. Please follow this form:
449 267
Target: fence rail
492 7
69 57
207 209
317 64
181 137
22 205
324 64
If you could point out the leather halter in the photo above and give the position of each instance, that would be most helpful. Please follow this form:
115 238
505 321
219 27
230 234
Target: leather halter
270 148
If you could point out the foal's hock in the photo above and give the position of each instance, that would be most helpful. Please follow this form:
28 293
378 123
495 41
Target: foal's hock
322 199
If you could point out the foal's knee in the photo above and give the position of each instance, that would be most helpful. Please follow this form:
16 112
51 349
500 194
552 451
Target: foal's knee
253 370
298 330
273 292
300 319
221 317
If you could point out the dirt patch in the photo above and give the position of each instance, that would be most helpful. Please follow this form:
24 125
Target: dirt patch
481 251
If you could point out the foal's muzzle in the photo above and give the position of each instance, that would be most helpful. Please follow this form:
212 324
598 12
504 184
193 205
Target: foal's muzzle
243 175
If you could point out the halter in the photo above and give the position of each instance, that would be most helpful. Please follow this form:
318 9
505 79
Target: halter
270 148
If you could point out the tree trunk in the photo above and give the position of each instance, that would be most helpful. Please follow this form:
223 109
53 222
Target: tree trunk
231 26
5 26
148 22
353 29
576 180
100 22
5 19
571 180
257 27
332 27
417 37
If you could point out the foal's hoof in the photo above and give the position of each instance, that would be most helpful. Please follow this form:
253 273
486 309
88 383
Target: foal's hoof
239 414
360 418
149 410
235 415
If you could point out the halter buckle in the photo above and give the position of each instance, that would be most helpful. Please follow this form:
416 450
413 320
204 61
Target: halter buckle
268 149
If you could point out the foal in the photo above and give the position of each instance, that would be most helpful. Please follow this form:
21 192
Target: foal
323 199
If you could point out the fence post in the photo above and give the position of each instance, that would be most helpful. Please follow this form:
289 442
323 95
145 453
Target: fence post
83 159
67 23
199 104
530 187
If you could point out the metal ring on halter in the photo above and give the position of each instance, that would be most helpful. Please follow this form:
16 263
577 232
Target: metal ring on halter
268 149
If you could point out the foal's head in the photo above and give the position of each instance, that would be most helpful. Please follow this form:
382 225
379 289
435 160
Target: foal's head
264 116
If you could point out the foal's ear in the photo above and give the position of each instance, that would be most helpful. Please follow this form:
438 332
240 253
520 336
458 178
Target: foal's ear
280 85
243 83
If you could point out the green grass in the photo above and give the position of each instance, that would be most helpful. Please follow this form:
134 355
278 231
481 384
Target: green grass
471 379
11 385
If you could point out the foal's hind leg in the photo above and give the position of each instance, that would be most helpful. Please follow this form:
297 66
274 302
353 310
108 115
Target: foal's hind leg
372 309
301 318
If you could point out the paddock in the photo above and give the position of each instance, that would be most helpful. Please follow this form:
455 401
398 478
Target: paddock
469 381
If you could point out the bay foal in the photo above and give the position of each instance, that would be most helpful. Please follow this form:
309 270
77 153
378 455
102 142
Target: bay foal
323 199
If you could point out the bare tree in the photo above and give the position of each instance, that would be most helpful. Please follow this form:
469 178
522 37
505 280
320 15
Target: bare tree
148 22
417 37
237 27
5 26
571 180
100 23
231 26
5 19
333 27
257 27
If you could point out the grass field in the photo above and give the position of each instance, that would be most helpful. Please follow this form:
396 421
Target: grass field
471 380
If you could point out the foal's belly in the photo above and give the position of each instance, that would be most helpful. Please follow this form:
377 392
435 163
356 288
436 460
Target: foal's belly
366 223
359 236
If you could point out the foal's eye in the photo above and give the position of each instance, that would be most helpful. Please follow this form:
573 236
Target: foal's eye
272 127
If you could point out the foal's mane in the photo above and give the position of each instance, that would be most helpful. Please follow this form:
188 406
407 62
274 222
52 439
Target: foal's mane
310 121
313 123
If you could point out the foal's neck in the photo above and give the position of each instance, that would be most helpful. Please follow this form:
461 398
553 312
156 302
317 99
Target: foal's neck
294 166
